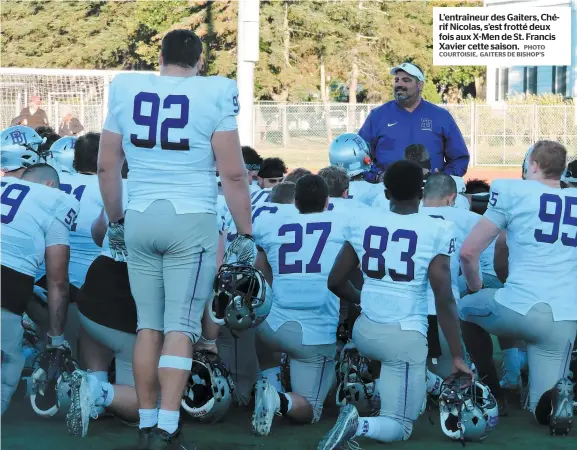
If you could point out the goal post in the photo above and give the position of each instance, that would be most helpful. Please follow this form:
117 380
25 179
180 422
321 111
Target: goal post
84 93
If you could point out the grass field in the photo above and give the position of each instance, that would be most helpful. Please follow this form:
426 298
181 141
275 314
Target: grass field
23 430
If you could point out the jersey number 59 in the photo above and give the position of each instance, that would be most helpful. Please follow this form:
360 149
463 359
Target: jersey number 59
151 120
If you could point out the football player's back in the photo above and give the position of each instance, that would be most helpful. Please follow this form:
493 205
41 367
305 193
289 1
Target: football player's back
542 239
167 124
28 210
395 251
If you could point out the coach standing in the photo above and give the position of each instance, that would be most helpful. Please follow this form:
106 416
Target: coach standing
407 120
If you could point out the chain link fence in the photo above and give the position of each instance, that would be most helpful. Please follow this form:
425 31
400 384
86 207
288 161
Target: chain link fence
496 135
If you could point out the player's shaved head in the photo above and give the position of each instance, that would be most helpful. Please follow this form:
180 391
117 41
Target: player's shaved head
404 181
439 185
283 193
297 174
311 194
337 180
42 174
551 157
181 48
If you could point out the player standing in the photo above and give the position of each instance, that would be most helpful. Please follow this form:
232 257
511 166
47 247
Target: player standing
171 128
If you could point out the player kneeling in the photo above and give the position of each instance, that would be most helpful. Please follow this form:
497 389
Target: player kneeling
392 327
296 250
536 304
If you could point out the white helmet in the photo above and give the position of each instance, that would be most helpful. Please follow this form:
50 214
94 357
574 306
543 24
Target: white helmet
242 297
351 152
20 147
208 395
356 381
63 153
526 162
469 412
50 388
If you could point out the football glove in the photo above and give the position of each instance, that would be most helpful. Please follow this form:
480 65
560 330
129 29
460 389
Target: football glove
244 248
116 241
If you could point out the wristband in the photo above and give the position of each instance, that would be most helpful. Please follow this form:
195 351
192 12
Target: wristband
207 341
248 236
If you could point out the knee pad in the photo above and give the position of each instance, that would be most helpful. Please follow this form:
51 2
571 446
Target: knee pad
175 362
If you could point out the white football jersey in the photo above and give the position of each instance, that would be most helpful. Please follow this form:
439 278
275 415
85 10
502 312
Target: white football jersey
301 250
83 250
541 226
258 197
167 124
464 222
28 210
365 192
395 252
345 205
381 202
461 186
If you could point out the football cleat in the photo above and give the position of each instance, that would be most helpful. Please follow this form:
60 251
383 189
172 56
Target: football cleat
561 419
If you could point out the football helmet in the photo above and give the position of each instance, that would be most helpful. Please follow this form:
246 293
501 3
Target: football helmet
570 175
20 147
50 389
208 395
242 297
351 152
525 167
468 410
63 153
356 381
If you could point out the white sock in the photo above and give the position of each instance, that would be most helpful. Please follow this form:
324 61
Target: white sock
148 418
512 364
100 375
94 389
168 420
108 394
434 383
273 376
382 429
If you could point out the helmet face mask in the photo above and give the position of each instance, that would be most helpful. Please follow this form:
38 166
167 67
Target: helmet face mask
50 389
210 389
356 382
242 298
469 412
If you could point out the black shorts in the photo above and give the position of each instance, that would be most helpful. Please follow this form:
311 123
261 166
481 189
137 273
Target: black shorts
433 338
105 297
16 290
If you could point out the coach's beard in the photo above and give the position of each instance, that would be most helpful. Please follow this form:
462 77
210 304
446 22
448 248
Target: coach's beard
401 95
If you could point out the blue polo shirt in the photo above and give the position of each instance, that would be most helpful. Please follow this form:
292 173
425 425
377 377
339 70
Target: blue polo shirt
389 129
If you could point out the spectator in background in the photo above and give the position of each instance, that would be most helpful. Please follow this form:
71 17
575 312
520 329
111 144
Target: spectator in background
408 119
70 125
32 116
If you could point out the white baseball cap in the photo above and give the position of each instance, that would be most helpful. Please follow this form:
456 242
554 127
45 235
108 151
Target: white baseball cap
411 69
